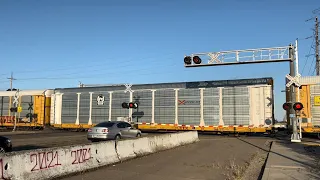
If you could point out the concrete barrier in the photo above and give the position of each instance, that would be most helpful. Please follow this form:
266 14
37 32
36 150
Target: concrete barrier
55 162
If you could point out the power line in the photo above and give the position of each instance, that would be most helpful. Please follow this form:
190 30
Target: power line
305 63
316 41
120 72
94 77
313 60
107 74
155 59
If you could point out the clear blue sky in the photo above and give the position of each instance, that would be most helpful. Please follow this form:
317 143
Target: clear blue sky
49 44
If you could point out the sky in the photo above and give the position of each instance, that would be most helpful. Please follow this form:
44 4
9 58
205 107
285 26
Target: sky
56 44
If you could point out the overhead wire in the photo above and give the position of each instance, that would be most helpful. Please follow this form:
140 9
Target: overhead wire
113 68
108 73
305 63
99 64
94 74
94 77
311 66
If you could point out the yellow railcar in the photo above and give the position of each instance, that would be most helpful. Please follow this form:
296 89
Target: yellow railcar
33 108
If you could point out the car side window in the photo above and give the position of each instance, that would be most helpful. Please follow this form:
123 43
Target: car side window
120 125
127 125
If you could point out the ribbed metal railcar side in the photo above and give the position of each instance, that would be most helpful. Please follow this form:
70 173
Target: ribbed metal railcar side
208 105
309 96
35 103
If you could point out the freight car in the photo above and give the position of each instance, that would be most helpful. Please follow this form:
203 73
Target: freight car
34 108
310 98
242 105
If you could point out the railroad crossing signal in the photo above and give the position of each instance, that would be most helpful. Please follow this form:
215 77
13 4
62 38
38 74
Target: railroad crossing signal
293 80
129 105
247 56
298 106
195 59
286 106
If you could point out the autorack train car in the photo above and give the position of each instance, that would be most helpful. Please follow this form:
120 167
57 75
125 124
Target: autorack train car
33 108
242 105
309 92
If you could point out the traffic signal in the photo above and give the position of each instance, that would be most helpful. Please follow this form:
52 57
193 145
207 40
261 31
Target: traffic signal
133 105
298 106
196 59
125 105
187 60
129 105
286 106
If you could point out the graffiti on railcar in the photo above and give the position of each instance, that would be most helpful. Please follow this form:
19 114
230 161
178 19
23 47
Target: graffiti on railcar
81 155
6 119
44 160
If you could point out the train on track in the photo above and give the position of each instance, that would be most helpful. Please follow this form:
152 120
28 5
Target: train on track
225 106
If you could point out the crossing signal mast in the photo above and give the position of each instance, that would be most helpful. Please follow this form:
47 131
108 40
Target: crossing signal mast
254 56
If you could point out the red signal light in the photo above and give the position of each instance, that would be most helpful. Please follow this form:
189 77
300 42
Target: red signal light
298 106
196 60
133 105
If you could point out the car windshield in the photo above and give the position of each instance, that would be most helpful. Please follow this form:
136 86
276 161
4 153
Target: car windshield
105 124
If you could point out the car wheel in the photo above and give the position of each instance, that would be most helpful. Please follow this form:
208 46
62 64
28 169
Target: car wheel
138 135
2 150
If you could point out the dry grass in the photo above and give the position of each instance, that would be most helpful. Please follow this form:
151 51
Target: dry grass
235 171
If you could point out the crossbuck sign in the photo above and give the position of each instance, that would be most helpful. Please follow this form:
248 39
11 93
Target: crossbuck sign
16 98
128 88
294 80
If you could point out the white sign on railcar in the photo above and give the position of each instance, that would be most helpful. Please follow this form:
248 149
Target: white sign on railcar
294 80
100 100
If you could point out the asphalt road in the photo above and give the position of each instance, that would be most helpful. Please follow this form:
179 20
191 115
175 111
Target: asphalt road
28 140
214 157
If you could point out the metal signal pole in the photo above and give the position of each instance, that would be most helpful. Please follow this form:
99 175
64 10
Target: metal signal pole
292 97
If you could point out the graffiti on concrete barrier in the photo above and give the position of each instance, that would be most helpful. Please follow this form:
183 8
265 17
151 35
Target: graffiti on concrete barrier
81 155
44 160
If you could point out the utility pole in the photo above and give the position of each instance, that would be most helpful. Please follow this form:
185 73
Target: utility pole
11 80
317 46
